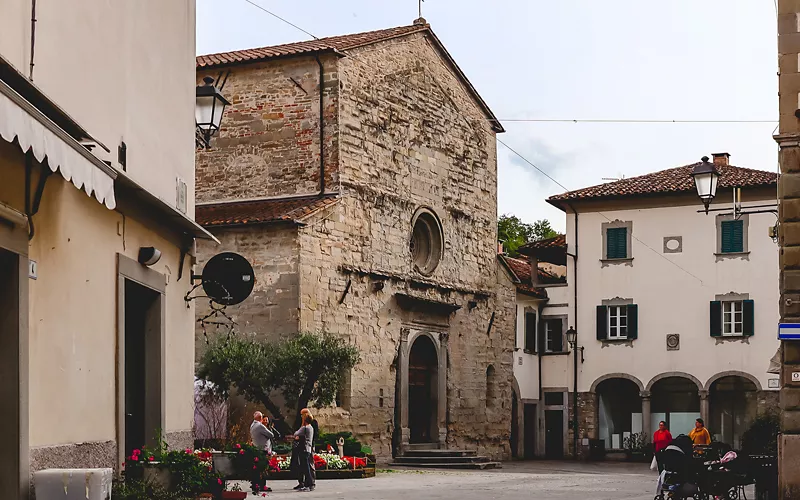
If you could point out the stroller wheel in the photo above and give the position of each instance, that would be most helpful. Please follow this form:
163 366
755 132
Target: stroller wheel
659 497
733 494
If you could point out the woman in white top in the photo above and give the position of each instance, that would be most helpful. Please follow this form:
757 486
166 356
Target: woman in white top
305 434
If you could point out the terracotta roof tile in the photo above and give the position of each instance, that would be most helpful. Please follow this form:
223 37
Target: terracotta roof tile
521 269
260 211
339 43
674 180
554 242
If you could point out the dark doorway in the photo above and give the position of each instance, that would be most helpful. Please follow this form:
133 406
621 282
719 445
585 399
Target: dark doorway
529 418
422 385
142 316
514 438
554 433
734 405
11 343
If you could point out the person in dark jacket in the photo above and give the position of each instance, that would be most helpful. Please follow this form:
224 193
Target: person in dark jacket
301 475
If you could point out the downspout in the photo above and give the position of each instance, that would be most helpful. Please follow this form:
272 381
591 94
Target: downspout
321 127
575 425
33 36
540 408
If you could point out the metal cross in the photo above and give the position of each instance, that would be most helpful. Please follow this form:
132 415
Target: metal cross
420 7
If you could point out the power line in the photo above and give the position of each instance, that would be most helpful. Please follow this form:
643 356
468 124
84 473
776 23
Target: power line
509 148
624 120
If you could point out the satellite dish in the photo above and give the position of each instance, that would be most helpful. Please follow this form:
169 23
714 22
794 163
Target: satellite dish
228 278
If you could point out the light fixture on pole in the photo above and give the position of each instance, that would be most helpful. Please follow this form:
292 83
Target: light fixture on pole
572 340
209 108
706 180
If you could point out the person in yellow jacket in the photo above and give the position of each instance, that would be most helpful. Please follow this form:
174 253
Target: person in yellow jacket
700 435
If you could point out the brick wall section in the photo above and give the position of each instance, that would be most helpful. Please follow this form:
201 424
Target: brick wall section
269 141
587 422
272 310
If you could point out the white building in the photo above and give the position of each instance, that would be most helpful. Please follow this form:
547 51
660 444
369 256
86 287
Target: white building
676 311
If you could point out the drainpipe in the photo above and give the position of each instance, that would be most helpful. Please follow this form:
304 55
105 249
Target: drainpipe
321 127
574 256
540 407
33 36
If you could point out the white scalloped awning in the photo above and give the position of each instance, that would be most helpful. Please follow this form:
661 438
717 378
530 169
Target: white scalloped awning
33 130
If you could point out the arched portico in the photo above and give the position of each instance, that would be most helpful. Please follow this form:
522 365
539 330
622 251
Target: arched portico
664 375
678 398
734 373
616 375
733 404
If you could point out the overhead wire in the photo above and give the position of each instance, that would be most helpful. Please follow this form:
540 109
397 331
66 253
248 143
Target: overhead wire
355 57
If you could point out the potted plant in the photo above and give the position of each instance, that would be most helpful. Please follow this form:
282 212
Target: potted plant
234 493
636 447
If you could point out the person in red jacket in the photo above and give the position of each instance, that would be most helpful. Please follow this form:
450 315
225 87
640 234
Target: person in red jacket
661 439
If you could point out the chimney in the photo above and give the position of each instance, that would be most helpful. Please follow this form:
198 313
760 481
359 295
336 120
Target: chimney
500 249
721 158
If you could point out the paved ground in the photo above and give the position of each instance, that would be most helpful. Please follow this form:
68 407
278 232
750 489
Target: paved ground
519 480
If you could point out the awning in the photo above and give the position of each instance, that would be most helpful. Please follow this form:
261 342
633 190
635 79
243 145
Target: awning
35 131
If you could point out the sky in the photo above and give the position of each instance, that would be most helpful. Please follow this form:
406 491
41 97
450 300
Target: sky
572 59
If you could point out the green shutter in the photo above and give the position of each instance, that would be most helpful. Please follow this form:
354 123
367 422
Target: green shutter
617 243
748 316
530 331
542 337
602 322
633 321
558 335
716 318
732 236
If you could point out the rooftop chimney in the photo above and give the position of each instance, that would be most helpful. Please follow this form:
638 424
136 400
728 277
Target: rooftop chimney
721 158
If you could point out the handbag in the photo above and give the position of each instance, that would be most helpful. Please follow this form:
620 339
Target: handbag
654 464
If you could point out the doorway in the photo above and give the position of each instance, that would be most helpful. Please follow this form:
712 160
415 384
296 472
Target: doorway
13 367
530 425
422 391
141 356
554 434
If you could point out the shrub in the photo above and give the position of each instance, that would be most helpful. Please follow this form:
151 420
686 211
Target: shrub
762 436
352 446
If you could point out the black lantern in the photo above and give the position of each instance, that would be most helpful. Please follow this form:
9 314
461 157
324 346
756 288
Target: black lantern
209 107
572 337
706 179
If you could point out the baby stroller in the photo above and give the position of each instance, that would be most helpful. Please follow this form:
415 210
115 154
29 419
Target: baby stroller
726 478
679 480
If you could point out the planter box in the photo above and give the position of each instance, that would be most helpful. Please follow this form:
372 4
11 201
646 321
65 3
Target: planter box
223 463
238 495
155 473
327 474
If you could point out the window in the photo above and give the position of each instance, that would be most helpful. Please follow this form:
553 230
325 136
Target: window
617 320
426 242
732 236
617 243
530 331
553 398
553 335
732 316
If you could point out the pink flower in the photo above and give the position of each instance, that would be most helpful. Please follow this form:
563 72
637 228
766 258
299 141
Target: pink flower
255 459
241 452
238 446
136 453
254 467
188 451
219 481
151 458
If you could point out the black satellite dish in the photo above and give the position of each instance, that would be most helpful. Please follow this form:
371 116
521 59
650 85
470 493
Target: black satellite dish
228 278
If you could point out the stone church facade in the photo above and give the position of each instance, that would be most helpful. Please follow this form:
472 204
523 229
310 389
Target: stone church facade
376 223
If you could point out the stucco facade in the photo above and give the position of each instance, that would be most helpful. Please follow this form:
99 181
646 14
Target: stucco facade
78 300
405 139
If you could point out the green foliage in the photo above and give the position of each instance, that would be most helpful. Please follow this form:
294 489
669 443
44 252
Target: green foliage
304 368
249 459
762 436
352 446
141 490
514 233
636 442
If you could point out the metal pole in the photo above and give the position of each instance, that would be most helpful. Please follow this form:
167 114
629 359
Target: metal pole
575 401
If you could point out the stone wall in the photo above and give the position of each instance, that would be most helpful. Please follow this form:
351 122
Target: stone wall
268 144
272 310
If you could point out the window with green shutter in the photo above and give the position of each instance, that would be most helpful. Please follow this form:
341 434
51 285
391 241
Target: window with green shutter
617 243
530 331
732 236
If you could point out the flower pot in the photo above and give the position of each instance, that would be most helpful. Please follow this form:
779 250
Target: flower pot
238 495
159 474
223 463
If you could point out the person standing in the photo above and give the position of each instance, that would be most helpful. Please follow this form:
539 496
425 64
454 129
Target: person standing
661 439
305 437
315 427
262 438
700 435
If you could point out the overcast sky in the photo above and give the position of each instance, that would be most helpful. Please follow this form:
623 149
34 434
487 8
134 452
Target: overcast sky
572 59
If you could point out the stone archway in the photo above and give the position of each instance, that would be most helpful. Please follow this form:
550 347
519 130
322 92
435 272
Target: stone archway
610 376
422 387
677 398
734 373
620 408
733 405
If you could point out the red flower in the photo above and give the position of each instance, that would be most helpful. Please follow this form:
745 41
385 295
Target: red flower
254 467
188 451
219 481
151 458
123 464
238 446
241 452
256 487
255 459
136 453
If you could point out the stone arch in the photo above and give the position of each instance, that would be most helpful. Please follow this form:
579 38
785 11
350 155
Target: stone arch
734 373
685 375
610 376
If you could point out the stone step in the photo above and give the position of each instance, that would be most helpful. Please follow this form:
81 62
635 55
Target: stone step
415 460
422 446
451 466
440 454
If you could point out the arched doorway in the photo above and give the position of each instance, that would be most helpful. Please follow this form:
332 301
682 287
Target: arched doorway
619 411
734 405
423 391
675 400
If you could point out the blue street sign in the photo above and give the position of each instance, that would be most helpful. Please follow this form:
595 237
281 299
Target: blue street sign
789 331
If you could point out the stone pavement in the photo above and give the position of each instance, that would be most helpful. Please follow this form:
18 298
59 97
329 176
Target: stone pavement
516 480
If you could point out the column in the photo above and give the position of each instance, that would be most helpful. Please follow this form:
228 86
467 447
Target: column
442 397
405 432
647 428
704 410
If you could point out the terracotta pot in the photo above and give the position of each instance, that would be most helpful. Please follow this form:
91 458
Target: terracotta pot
238 495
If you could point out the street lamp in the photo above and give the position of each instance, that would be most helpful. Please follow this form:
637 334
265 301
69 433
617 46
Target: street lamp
209 108
572 340
706 179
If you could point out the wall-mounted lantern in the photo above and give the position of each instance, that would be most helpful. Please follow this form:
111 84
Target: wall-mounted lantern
209 108
706 179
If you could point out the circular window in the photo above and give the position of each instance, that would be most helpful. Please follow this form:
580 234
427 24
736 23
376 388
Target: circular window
426 242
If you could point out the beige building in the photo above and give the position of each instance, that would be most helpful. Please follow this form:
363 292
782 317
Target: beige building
358 174
96 139
677 311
